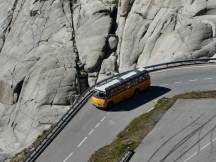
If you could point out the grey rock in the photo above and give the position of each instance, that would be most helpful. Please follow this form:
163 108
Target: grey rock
41 72
112 42
108 68
92 78
46 48
161 31
92 28
38 72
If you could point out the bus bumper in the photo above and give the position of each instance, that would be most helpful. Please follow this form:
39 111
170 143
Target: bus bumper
99 103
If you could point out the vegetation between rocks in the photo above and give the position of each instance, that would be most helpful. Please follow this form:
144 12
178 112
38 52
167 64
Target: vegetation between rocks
136 131
22 156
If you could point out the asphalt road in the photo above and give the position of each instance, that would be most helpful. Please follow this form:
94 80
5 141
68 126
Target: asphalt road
186 133
91 128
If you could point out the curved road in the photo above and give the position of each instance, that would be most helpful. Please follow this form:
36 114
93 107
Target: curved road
91 128
186 133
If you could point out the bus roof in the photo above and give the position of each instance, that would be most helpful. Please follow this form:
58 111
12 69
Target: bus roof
119 80
103 87
128 75
141 69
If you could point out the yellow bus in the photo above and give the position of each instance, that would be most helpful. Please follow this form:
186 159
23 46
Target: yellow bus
121 88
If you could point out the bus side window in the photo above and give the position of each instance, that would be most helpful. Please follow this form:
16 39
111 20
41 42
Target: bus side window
136 81
141 78
128 84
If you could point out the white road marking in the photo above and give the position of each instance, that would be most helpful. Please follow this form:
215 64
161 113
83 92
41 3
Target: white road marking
68 157
80 144
97 125
202 148
150 109
194 154
84 139
208 78
91 132
186 67
178 82
193 80
205 146
103 119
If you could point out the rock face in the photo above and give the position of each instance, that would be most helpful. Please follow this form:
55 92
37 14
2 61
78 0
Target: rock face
42 45
92 28
48 46
156 31
38 72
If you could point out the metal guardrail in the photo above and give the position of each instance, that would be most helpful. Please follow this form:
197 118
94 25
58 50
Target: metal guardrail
82 99
126 156
179 63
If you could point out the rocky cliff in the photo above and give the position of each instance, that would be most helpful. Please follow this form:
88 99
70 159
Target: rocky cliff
156 31
51 50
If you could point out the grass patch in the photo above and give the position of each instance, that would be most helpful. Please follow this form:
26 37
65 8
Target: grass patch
136 131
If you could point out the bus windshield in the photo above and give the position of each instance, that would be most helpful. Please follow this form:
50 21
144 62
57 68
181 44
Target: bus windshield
100 95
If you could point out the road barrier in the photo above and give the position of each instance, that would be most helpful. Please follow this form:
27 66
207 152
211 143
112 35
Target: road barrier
126 156
84 97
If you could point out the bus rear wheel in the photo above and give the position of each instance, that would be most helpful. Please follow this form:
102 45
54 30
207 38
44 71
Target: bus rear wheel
110 104
136 92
